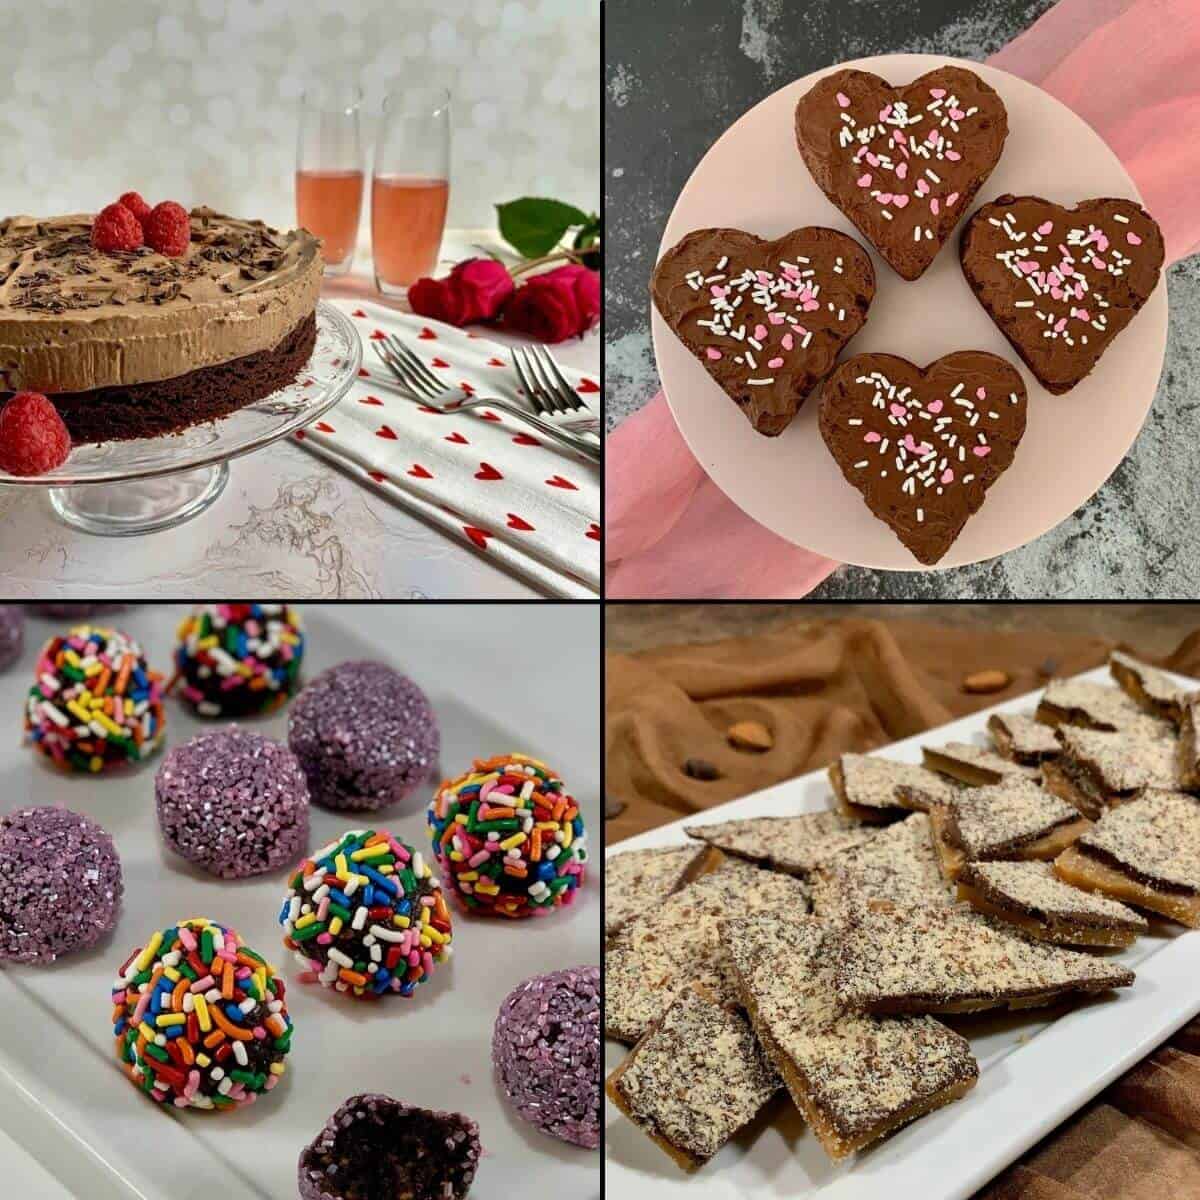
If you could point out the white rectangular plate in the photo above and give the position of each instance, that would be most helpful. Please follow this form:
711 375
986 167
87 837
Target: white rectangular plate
1035 1070
62 1094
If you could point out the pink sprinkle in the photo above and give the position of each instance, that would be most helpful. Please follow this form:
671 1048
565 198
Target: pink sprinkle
1099 264
786 341
1028 266
776 318
871 437
1065 268
953 155
950 199
884 197
1060 324
957 114
937 93
947 476
864 180
934 406
902 170
1046 227
843 100
718 291
933 206
763 276
981 451
885 112
922 187
1056 293
790 273
811 306
713 352
932 136
897 410
898 137
760 332
900 201
775 362
872 159
1081 313
1133 239
981 393
799 330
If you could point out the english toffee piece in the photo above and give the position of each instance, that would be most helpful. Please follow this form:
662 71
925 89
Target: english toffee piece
794 845
1152 689
973 765
1061 283
1022 739
766 318
1092 705
870 788
636 880
903 163
923 446
1099 768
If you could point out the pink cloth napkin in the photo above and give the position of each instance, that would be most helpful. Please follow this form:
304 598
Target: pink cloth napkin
1131 69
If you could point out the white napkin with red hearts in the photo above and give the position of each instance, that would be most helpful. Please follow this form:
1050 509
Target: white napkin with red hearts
487 479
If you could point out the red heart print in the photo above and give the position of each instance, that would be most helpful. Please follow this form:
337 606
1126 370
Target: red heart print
495 362
370 400
324 427
594 532
418 472
439 362
586 385
478 536
427 333
526 439
358 312
378 476
515 522
487 471
466 387
457 437
437 412
386 431
378 335
559 482
489 416
299 435
363 373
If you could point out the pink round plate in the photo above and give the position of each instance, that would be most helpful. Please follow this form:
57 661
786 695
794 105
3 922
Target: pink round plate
754 179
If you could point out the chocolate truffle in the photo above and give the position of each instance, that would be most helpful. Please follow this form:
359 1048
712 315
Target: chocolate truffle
365 915
508 838
94 705
365 736
234 660
376 1146
188 983
12 634
60 884
234 803
546 1051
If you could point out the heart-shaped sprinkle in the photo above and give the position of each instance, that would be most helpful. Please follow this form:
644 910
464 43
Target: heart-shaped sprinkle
928 144
765 284
1133 239
1035 298
921 473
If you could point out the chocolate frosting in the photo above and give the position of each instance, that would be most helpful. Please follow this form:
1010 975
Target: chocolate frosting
766 318
1061 283
902 163
74 318
923 446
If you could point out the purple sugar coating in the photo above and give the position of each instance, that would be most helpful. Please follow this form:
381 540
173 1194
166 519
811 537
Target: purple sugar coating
374 1146
60 884
546 1051
365 736
12 634
234 803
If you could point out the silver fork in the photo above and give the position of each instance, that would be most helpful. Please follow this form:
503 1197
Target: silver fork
422 385
548 392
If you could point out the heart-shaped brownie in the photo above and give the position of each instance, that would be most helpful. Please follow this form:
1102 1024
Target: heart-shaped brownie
923 446
766 318
902 162
1061 283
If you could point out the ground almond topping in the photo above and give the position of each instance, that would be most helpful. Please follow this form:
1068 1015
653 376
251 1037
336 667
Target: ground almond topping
794 844
1104 705
978 756
1123 762
1027 735
636 880
1158 836
1158 685
1036 889
988 819
872 781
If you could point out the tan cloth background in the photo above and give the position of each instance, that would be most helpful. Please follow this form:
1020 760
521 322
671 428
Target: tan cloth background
852 685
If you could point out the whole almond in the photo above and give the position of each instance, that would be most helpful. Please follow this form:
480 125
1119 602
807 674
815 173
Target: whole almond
986 681
750 735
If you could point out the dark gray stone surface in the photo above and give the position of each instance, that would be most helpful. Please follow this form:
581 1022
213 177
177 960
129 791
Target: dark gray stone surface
678 72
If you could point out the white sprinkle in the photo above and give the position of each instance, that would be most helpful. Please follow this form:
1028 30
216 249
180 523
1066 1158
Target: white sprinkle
761 382
1023 304
1121 217
1012 397
933 176
723 263
854 421
958 387
917 234
887 216
858 466
920 514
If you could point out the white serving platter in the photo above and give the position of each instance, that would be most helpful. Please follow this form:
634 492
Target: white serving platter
62 1095
1035 1070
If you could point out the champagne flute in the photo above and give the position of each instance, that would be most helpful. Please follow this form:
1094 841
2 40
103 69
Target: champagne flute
329 170
410 190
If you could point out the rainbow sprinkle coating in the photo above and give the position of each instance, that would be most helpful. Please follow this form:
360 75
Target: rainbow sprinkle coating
366 915
508 838
237 659
200 1019
94 704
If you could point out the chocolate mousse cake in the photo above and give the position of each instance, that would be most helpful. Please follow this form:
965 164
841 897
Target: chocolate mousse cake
131 343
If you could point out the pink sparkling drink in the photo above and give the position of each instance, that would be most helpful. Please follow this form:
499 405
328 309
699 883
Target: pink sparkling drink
328 204
408 216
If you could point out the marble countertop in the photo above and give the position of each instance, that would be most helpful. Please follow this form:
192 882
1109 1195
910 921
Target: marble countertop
287 524
675 80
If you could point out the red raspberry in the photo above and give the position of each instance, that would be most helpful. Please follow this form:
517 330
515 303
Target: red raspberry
116 228
168 229
136 205
33 438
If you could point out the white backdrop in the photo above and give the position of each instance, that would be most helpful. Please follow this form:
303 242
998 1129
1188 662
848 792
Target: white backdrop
196 100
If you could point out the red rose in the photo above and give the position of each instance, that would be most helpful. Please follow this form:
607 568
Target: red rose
556 305
476 290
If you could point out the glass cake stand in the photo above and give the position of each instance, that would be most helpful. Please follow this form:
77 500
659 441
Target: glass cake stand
139 486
